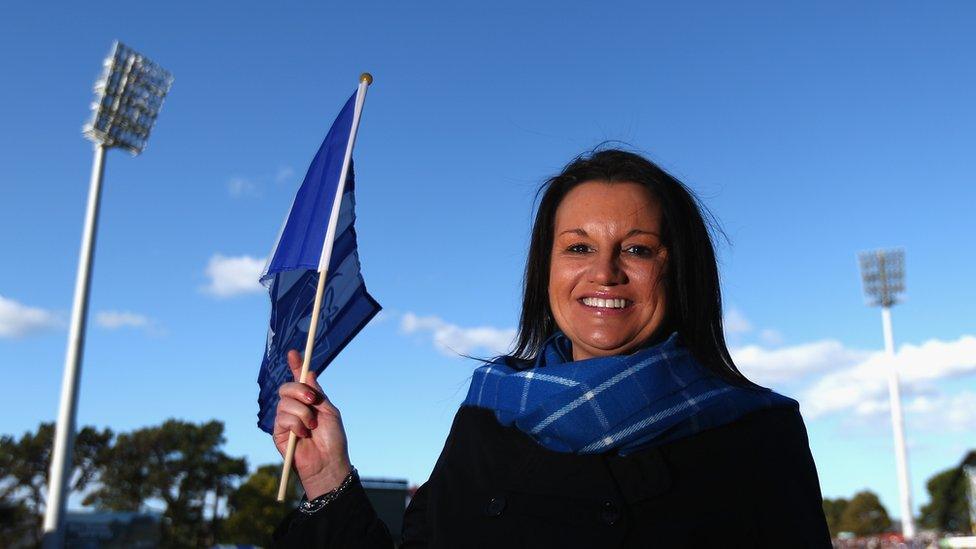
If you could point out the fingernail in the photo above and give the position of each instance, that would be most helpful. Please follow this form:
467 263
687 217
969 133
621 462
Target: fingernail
310 396
313 424
314 397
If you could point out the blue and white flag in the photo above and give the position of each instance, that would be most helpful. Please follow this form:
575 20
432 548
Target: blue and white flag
291 274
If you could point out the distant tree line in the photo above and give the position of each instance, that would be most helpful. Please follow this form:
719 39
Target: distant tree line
948 506
177 469
947 510
204 496
862 515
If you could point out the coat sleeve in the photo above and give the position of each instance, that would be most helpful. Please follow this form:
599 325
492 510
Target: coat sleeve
349 521
416 528
791 508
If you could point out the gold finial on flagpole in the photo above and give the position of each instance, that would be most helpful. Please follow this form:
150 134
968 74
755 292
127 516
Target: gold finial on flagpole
366 77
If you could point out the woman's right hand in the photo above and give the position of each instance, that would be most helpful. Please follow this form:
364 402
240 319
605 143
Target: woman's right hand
321 455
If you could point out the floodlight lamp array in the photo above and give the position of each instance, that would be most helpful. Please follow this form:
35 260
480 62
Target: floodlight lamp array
129 95
883 275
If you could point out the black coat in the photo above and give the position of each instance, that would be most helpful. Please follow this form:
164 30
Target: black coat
751 483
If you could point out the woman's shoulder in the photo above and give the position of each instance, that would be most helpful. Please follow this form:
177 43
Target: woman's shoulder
758 429
766 443
778 419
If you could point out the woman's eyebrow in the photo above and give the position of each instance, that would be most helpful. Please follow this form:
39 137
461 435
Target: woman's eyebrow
641 231
632 232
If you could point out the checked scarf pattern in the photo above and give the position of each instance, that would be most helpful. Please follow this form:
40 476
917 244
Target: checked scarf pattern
659 394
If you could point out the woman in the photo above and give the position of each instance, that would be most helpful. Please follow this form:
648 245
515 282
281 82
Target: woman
619 420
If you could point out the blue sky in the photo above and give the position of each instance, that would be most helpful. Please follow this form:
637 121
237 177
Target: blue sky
811 131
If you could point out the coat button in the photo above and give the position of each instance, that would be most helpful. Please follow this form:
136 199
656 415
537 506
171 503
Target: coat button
495 506
609 514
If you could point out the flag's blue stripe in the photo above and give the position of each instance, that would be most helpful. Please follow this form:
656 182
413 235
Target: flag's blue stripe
300 243
292 272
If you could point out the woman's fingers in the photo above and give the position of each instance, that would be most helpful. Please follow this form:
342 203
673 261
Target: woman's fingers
295 365
305 394
304 413
300 392
287 422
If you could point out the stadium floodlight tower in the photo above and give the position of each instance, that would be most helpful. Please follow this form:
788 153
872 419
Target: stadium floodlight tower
883 274
970 472
128 97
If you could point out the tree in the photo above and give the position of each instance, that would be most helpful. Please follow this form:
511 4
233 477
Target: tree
179 463
864 515
833 510
25 466
17 525
948 507
255 511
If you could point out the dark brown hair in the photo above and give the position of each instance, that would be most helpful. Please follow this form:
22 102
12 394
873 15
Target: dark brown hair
694 299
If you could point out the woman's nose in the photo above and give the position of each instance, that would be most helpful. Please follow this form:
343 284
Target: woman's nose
605 269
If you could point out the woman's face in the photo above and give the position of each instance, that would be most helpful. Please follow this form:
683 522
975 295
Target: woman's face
606 280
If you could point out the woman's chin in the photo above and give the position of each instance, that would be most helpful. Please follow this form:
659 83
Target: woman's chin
599 346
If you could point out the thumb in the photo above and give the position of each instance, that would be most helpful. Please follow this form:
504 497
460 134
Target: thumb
295 365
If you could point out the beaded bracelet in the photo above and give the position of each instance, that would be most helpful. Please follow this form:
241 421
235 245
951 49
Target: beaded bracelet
312 507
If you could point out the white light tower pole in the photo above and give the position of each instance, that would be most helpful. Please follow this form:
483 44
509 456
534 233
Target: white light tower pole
883 274
970 472
128 97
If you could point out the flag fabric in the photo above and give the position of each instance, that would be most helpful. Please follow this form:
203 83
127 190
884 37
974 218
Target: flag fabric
291 274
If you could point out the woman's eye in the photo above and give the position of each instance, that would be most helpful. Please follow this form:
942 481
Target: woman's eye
640 251
578 249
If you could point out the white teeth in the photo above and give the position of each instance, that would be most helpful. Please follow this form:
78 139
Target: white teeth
605 303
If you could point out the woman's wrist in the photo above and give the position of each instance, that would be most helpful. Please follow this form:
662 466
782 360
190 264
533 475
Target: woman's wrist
326 480
312 506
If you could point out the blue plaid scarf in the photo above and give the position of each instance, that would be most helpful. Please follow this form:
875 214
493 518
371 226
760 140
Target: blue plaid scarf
659 394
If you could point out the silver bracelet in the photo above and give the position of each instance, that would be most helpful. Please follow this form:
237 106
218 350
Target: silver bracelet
314 506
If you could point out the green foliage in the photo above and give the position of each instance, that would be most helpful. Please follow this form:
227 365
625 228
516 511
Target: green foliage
255 511
25 467
864 515
18 525
948 507
833 509
179 463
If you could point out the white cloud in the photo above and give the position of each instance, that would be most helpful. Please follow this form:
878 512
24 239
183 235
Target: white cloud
833 378
284 174
770 366
923 413
453 340
953 412
18 320
860 387
239 187
736 322
230 276
771 337
738 326
114 320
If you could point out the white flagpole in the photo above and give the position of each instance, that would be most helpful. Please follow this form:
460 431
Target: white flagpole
364 81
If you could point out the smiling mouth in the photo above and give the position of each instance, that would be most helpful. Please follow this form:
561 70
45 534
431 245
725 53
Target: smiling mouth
599 303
